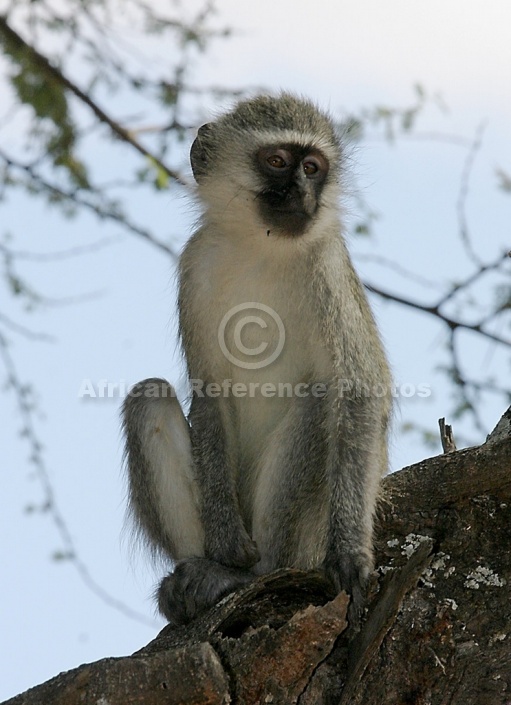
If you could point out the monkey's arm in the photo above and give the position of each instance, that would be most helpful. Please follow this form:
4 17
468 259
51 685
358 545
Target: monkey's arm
226 539
355 467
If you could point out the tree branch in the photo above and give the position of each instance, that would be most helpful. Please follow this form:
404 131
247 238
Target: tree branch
435 311
436 630
55 74
99 211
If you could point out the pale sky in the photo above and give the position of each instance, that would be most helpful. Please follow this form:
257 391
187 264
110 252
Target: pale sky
344 55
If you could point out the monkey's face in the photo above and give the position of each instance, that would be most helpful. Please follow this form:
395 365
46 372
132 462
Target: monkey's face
293 178
271 166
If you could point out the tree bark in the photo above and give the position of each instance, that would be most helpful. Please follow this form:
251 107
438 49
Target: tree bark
437 629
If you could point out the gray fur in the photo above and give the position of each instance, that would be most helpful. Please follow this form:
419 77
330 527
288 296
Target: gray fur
189 590
265 482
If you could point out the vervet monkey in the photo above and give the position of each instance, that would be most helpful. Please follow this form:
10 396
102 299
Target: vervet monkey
279 461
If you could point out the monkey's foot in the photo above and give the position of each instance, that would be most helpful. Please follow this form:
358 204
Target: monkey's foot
350 573
195 585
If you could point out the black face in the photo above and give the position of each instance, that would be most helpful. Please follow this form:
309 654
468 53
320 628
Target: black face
294 178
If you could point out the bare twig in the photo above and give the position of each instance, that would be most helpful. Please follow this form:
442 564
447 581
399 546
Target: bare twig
481 269
24 331
435 311
50 503
73 197
397 268
446 436
42 257
463 193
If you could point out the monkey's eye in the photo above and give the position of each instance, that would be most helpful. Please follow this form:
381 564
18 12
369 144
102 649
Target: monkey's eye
310 166
276 161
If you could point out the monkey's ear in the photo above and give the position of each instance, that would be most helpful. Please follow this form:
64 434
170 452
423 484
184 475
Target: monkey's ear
199 151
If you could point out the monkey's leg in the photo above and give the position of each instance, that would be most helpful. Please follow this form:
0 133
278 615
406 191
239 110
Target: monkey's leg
165 501
226 540
291 502
315 495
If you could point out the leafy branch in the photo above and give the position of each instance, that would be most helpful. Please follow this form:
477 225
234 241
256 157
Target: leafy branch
19 49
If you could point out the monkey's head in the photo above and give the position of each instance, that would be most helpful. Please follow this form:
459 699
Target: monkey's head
272 160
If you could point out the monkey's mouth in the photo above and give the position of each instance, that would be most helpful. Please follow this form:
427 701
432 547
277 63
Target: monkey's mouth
292 212
285 210
290 221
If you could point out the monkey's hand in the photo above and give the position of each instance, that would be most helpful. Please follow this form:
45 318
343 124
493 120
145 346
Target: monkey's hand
233 548
349 572
195 585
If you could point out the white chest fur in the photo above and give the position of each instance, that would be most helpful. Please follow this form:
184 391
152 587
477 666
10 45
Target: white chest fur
257 321
257 328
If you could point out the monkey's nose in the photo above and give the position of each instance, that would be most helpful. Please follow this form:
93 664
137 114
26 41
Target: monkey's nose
308 195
